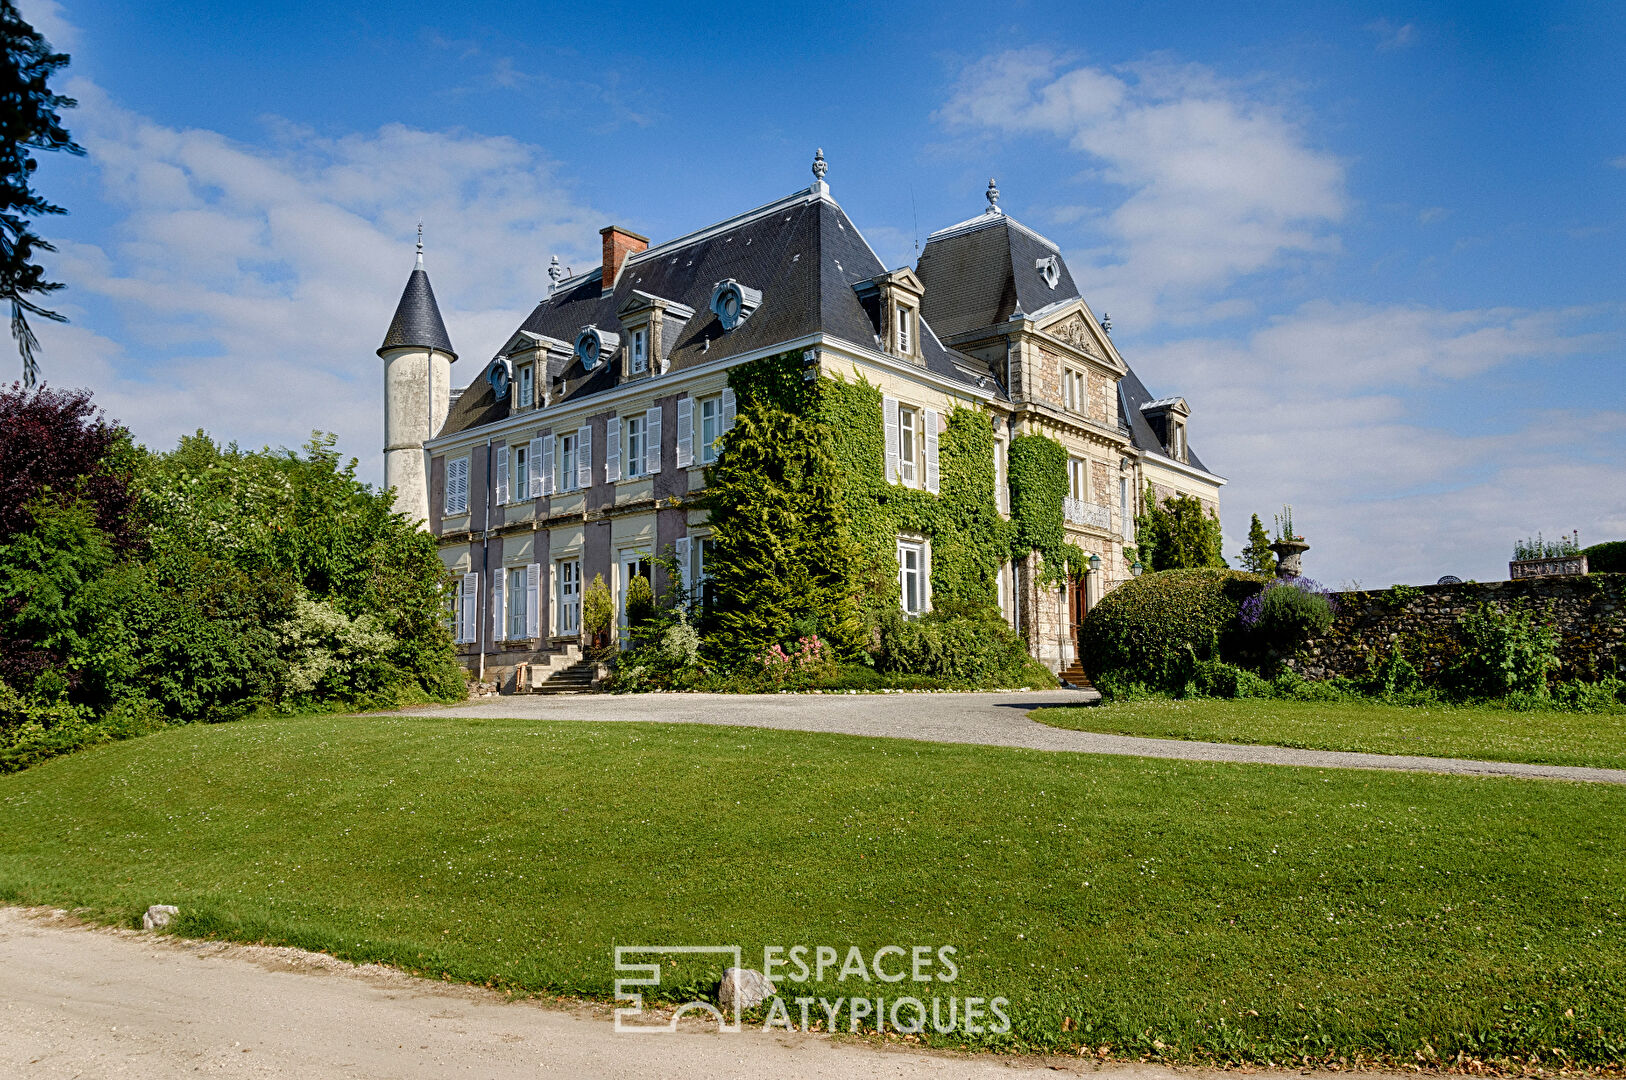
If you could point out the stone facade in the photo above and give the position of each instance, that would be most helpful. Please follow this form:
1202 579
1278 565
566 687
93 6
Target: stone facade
1589 613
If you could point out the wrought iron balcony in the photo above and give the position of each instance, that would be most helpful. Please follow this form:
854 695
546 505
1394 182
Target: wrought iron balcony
1079 512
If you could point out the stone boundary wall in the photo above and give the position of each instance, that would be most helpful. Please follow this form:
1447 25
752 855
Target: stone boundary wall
1589 613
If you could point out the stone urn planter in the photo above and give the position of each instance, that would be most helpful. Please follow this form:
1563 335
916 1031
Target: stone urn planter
1562 566
1288 553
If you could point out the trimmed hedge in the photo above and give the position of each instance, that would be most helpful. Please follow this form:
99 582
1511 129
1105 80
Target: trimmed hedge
1606 558
1148 629
982 651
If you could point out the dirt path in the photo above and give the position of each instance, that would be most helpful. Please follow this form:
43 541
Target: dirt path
994 719
80 1002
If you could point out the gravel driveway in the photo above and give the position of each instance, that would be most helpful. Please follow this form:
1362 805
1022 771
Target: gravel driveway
999 719
77 1002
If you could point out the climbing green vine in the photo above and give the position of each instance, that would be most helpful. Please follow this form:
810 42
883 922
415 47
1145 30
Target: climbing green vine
969 537
1038 472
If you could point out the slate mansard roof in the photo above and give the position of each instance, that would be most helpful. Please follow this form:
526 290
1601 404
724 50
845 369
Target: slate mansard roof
417 321
803 253
981 272
1132 394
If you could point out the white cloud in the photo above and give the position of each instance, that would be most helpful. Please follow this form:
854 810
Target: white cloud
1619 162
247 287
47 17
1220 183
1342 409
1391 36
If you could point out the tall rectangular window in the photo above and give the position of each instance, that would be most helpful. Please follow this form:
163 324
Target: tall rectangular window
566 480
640 352
906 327
912 576
635 436
1001 491
527 388
517 596
908 459
1078 482
520 463
1076 391
700 584
569 587
711 428
1126 525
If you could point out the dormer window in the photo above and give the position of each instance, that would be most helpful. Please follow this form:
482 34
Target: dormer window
892 301
594 346
1167 419
640 350
651 324
499 375
1049 269
733 303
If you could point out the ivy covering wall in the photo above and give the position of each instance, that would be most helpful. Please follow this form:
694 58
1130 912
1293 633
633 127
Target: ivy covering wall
1038 478
859 515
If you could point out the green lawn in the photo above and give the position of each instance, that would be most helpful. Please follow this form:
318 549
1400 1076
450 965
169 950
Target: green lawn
1547 737
1201 911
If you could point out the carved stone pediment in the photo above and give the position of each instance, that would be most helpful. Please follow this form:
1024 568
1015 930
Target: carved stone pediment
1076 333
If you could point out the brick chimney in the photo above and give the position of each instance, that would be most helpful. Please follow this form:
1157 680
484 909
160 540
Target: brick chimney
618 244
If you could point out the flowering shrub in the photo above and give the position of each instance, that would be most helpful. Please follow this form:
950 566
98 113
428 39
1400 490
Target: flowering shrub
1285 614
807 661
1253 607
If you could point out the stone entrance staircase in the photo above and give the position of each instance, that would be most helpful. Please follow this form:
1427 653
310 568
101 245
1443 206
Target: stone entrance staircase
1074 674
563 672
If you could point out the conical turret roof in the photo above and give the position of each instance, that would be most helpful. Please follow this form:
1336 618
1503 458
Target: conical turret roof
417 322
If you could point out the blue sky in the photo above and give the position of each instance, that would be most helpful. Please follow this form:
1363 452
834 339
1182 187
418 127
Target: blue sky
1376 248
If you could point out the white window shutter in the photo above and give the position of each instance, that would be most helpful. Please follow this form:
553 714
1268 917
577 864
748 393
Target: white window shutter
931 451
612 450
533 598
457 486
536 467
728 408
685 432
584 457
889 415
468 628
547 465
680 552
498 608
652 440
502 475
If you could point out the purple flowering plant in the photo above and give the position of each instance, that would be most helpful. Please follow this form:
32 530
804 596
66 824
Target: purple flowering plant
1253 607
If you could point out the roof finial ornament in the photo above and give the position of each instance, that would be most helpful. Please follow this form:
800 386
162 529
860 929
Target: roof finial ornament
420 243
993 197
819 186
556 273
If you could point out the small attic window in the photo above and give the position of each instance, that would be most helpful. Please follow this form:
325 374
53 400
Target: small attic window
594 346
733 303
498 375
1049 269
